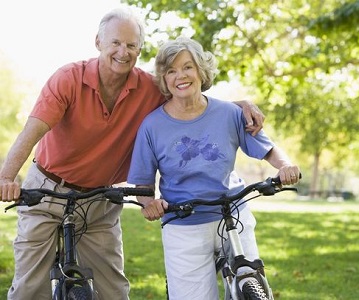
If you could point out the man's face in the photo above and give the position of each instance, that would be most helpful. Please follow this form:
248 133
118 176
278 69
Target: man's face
119 46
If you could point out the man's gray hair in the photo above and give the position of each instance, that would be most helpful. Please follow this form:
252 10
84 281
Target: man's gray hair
123 13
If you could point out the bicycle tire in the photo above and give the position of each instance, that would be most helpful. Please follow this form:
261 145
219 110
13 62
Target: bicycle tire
252 290
80 293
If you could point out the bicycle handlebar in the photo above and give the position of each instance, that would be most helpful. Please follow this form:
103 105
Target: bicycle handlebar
31 197
268 187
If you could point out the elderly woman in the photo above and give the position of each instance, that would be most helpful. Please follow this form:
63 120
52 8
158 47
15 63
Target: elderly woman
192 140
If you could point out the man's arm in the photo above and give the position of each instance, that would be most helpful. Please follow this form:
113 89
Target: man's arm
33 131
253 115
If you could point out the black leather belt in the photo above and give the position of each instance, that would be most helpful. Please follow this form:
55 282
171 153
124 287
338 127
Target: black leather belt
60 181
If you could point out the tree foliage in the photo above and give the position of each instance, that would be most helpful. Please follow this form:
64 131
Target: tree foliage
300 58
10 106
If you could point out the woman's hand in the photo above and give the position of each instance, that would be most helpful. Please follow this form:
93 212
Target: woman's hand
289 174
154 209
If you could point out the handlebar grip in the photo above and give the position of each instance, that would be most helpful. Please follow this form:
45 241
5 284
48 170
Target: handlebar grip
129 191
276 180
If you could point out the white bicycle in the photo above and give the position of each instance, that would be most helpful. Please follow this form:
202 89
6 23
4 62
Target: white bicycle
252 285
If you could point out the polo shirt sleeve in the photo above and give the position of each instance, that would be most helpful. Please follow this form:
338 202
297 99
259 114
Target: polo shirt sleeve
54 98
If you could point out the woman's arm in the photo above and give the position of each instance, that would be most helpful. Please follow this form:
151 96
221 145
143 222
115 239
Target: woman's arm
288 172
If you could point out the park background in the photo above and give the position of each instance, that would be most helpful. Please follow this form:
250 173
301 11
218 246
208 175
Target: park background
297 60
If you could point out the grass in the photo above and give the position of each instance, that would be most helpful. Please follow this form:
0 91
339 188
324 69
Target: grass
7 233
311 255
308 255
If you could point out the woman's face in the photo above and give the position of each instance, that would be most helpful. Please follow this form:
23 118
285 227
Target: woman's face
182 77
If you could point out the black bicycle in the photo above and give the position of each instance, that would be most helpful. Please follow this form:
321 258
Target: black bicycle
252 285
69 281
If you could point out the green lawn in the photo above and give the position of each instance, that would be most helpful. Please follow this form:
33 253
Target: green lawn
308 255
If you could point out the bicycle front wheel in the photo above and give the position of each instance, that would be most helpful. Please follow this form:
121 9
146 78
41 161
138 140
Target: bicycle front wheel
252 290
80 293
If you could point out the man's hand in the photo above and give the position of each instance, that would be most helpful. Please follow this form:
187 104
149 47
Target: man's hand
9 190
253 115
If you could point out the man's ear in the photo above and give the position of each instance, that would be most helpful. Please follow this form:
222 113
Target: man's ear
139 52
97 43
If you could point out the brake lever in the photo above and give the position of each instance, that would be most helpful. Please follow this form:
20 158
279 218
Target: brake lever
289 189
272 186
169 220
12 206
27 198
266 188
115 197
185 211
177 216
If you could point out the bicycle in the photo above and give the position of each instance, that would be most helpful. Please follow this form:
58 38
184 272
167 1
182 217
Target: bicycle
252 285
69 280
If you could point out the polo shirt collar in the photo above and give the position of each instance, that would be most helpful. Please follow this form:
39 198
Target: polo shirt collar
91 75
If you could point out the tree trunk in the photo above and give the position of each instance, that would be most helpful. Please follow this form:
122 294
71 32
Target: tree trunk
315 174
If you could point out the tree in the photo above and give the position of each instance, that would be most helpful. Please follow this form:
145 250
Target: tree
10 107
300 57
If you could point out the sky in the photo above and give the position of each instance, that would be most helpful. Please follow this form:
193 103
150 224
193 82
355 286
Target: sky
38 36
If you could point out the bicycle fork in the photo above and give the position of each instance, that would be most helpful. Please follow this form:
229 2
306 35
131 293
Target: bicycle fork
237 259
66 273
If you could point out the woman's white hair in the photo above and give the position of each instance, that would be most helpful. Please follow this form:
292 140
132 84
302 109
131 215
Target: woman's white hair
205 61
